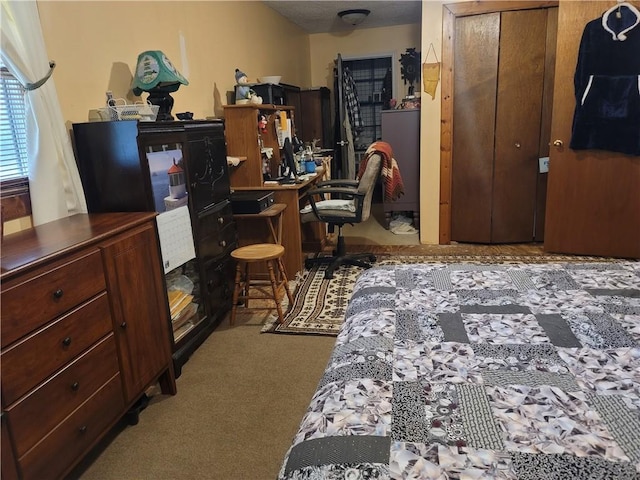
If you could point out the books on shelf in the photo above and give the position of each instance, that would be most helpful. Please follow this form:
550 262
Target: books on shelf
185 315
177 301
181 307
182 331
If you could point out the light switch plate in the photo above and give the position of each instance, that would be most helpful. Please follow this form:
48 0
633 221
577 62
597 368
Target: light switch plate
544 164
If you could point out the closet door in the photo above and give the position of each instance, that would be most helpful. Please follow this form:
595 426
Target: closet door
475 82
518 113
498 83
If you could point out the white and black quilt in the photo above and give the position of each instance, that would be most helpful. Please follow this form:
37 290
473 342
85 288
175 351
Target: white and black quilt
477 371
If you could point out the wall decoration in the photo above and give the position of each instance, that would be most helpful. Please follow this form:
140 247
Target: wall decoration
410 69
431 73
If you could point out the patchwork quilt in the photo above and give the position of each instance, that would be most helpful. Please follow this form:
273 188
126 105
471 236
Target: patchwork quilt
477 371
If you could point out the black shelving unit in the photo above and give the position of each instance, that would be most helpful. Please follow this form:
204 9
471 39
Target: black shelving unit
124 167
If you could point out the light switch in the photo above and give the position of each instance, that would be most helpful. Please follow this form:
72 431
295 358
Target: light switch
544 164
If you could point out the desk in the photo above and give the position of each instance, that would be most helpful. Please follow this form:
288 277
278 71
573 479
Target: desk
296 237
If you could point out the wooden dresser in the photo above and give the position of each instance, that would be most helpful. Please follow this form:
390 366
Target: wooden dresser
84 332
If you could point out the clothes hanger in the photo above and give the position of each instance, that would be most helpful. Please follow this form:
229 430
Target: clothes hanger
625 3
616 8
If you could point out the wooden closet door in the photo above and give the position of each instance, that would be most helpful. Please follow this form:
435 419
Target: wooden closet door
499 74
545 123
475 82
517 134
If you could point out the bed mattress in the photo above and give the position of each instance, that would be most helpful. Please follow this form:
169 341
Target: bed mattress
477 371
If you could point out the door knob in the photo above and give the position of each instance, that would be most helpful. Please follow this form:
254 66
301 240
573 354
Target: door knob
558 143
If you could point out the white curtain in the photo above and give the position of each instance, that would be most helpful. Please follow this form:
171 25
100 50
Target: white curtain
54 182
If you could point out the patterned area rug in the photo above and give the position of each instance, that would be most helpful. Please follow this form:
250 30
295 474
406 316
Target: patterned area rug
320 305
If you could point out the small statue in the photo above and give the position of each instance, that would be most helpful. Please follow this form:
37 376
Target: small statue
262 123
254 98
242 89
244 93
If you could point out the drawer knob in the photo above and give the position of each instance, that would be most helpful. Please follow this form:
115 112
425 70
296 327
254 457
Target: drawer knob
220 220
123 325
66 342
82 429
75 386
58 293
223 243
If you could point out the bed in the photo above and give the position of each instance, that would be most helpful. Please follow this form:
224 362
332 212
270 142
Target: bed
478 371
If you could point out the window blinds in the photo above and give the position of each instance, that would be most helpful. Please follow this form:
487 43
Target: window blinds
13 133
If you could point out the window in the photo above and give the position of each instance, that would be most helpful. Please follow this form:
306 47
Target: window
13 132
369 75
14 185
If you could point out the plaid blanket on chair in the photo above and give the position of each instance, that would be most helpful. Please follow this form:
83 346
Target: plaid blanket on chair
393 186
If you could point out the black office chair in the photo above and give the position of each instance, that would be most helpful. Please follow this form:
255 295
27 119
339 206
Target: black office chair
350 203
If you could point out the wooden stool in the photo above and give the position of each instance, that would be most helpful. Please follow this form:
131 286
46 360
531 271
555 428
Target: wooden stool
271 254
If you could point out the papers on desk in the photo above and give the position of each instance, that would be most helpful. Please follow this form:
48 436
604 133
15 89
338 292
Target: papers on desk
176 238
290 181
307 176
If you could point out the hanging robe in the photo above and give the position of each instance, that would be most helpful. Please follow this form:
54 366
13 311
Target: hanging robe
607 84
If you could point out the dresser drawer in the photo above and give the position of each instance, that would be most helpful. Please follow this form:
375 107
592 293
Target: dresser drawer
210 248
75 435
40 411
212 222
220 283
24 365
32 303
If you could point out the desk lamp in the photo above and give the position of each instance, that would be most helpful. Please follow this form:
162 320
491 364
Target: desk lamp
156 75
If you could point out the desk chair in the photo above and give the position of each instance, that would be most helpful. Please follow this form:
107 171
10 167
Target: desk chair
353 206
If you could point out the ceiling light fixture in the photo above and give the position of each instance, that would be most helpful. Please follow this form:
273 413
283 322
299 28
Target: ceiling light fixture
355 16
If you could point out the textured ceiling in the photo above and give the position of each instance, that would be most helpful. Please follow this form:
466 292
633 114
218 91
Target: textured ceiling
322 16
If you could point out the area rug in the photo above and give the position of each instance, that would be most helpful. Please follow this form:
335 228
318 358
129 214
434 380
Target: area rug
320 305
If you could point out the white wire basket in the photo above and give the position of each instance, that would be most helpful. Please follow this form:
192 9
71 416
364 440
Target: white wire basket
145 112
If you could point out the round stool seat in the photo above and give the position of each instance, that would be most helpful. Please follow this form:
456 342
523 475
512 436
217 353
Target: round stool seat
258 252
245 287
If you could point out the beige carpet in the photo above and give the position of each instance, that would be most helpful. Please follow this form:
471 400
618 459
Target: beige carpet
240 399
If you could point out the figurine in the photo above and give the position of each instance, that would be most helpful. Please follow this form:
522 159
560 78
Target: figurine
244 93
262 123
255 98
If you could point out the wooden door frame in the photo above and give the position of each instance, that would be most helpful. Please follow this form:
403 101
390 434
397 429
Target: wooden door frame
449 15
